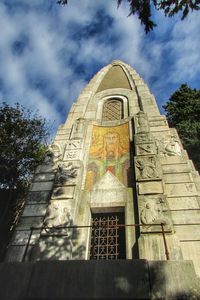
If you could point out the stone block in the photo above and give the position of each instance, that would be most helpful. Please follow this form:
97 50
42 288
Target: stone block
153 187
44 177
187 232
173 280
63 192
147 168
34 210
143 138
191 251
185 217
145 149
41 186
177 178
175 168
72 155
183 202
154 210
170 160
13 254
21 237
28 222
180 189
38 197
73 144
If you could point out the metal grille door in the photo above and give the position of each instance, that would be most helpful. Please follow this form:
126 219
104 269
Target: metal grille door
108 239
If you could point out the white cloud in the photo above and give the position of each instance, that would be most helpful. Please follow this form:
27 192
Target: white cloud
58 42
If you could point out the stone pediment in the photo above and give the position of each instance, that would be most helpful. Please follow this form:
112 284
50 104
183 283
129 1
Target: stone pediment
108 192
108 182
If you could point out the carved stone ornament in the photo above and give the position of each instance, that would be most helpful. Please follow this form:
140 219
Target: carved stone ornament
145 149
71 154
53 154
143 138
142 124
66 173
154 211
77 129
74 144
57 215
170 147
146 168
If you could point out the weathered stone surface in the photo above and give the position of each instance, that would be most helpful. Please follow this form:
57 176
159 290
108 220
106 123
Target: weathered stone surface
73 144
13 254
145 149
38 197
143 138
72 155
44 177
154 210
28 222
63 192
41 186
191 251
180 189
150 188
185 217
173 280
177 178
147 168
59 213
34 210
183 202
21 237
178 168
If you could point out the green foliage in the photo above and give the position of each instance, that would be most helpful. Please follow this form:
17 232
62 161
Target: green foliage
142 8
22 145
183 112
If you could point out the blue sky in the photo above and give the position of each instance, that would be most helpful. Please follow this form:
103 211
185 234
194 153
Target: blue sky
49 52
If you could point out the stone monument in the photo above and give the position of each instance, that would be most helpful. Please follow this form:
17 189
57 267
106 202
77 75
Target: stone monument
116 183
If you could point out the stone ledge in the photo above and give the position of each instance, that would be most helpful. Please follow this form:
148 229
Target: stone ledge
121 279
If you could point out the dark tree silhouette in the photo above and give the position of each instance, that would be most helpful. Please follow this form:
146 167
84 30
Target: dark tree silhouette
142 8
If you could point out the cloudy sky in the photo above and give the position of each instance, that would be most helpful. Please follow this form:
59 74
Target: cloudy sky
49 52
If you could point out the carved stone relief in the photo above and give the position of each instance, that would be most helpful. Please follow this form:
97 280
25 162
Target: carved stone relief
66 174
58 214
154 210
63 192
169 147
147 168
52 157
141 122
143 138
145 149
74 144
72 155
77 129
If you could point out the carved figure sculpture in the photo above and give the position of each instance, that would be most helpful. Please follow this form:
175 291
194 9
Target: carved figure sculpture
57 215
152 213
65 172
146 168
142 122
173 147
170 147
